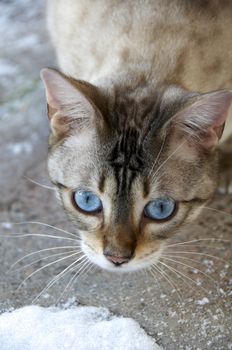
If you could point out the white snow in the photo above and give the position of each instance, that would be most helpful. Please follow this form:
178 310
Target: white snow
202 301
7 225
76 328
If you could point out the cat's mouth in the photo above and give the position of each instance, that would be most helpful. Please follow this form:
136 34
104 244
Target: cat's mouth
121 264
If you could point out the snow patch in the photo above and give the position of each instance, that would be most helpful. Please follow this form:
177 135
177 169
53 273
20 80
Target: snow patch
202 301
7 225
77 328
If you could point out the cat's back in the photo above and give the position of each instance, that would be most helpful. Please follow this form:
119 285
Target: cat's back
179 41
92 37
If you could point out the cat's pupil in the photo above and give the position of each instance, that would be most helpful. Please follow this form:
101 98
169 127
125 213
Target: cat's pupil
160 208
87 201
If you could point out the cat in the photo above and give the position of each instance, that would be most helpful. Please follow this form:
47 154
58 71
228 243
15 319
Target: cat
137 113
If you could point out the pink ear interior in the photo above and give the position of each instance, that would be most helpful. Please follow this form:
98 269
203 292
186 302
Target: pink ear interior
68 108
203 121
53 83
63 96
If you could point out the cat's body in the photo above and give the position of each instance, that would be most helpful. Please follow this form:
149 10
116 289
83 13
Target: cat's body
143 130
135 43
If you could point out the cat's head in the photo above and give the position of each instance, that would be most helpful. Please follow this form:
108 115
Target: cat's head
132 167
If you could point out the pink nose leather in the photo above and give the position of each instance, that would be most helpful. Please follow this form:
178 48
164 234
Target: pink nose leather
117 260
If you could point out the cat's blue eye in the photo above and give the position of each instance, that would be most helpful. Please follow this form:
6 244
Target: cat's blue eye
160 209
87 201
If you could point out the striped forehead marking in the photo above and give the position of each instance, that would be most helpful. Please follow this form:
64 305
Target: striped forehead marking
126 159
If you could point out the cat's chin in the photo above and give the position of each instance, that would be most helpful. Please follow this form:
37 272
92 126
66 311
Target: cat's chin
132 265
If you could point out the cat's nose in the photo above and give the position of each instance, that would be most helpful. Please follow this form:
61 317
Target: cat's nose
117 260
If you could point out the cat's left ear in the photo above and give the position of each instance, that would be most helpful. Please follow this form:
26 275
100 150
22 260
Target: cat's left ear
69 107
203 120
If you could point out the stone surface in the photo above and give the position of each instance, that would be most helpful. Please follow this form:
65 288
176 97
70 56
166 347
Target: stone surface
196 316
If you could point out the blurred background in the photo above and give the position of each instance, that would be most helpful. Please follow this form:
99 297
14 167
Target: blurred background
198 316
24 50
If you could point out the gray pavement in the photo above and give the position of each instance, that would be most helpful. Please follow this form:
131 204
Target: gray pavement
198 316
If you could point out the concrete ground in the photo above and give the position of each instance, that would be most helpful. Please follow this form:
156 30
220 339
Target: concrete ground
198 316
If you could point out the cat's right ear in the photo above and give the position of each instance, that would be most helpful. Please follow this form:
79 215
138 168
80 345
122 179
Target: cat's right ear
68 107
202 121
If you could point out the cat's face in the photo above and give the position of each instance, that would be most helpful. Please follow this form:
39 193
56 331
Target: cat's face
133 174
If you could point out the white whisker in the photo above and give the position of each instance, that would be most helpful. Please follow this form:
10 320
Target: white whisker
196 246
73 279
45 258
43 267
170 156
201 254
168 279
158 156
41 251
184 276
39 235
185 258
179 276
44 224
153 273
218 211
58 276
39 184
197 240
191 267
